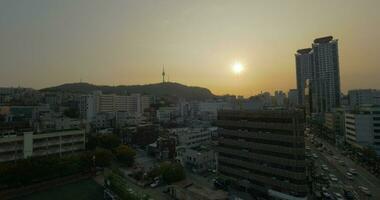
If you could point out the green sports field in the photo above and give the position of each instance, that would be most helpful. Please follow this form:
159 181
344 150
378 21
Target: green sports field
82 190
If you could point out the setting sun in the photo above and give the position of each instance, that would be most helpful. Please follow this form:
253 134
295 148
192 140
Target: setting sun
237 68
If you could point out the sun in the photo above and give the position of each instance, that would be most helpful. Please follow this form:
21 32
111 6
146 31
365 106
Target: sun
237 68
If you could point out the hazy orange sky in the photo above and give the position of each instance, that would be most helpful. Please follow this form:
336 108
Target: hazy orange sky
50 42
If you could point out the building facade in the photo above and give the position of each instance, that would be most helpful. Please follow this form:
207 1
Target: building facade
265 148
303 71
363 127
363 97
326 76
28 144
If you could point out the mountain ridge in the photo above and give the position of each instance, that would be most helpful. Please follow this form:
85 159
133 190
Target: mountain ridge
157 89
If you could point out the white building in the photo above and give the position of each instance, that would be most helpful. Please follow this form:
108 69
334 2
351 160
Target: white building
363 127
90 105
363 96
27 144
192 137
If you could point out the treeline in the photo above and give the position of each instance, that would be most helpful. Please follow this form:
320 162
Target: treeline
37 169
102 152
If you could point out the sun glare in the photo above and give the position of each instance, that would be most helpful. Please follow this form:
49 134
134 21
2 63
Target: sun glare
237 68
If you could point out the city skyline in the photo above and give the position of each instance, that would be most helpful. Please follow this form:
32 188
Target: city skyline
47 43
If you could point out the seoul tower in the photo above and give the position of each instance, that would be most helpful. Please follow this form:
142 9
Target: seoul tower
163 74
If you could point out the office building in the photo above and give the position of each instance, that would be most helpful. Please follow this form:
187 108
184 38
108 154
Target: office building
363 97
363 127
264 151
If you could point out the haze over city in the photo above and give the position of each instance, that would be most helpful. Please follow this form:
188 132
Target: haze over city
47 43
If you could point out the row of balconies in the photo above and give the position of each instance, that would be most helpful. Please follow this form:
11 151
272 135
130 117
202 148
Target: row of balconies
261 135
258 125
264 168
10 157
271 181
250 155
258 146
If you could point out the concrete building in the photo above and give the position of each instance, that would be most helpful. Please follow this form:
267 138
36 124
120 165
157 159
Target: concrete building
334 126
91 105
192 137
141 134
27 144
279 97
166 114
198 159
303 71
293 98
363 127
326 76
363 96
265 150
320 65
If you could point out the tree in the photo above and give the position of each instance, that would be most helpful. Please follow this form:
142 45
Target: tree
170 172
103 157
173 173
125 155
369 154
71 113
108 141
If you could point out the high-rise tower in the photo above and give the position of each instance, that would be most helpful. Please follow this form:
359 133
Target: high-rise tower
304 72
326 78
319 65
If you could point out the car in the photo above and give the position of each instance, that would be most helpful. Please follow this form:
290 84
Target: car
327 195
154 184
341 162
315 156
336 157
338 196
365 190
353 171
325 168
349 176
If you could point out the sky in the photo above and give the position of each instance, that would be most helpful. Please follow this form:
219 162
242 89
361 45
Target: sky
118 42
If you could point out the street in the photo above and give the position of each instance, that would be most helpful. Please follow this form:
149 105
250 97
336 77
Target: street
338 165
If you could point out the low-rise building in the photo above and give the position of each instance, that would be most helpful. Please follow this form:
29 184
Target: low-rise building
198 159
141 134
27 144
192 137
